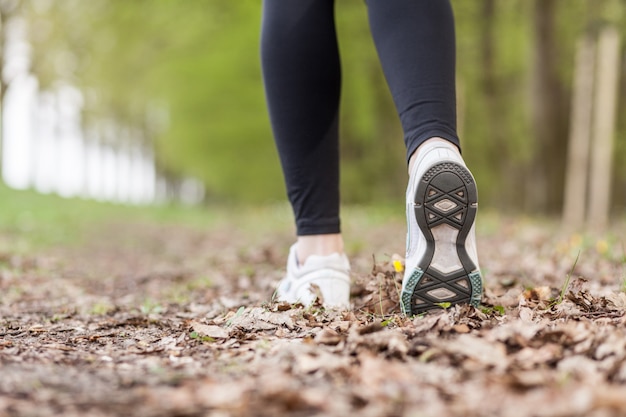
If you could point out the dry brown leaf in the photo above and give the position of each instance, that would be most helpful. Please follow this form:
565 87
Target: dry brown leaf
613 345
393 342
583 299
216 332
529 358
375 371
582 368
312 362
282 306
526 314
426 323
260 319
617 300
327 336
542 293
370 328
222 394
612 398
487 353
461 328
530 379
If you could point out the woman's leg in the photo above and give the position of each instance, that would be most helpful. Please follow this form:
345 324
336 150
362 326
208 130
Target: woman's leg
416 46
302 76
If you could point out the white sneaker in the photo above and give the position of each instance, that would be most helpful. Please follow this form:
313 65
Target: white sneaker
330 273
441 260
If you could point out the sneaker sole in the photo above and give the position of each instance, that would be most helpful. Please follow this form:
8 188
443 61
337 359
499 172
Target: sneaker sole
446 201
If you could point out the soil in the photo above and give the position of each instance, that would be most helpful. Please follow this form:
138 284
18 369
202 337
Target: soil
154 320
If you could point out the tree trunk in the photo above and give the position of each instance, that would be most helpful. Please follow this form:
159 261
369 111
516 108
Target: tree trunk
490 87
545 186
575 199
605 106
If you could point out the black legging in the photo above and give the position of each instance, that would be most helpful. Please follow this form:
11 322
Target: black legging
302 75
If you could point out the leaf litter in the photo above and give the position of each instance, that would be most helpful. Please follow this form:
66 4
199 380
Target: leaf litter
181 322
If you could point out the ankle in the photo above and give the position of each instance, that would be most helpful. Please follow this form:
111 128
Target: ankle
429 144
321 245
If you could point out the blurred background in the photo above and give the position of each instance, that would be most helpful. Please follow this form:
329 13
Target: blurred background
147 101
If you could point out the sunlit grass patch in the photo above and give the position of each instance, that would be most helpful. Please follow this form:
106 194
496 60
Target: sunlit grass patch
29 220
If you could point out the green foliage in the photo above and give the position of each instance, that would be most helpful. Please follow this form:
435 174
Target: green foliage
198 61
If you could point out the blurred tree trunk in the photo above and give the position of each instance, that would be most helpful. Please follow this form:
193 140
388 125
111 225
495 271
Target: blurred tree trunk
549 119
575 197
605 109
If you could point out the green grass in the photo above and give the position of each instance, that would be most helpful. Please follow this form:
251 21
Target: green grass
29 220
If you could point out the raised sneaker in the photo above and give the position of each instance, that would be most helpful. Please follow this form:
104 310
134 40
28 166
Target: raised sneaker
441 260
331 275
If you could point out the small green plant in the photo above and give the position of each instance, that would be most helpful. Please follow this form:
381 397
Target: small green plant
56 318
151 307
418 315
389 321
622 286
380 297
568 278
198 336
201 282
445 305
100 309
237 314
492 310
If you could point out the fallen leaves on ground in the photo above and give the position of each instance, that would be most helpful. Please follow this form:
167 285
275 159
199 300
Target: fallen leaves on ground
185 325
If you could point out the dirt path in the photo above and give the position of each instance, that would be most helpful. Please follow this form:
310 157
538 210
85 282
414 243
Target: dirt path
165 321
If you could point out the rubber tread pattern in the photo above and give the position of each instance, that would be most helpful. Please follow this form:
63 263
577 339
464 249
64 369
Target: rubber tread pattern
444 181
407 294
